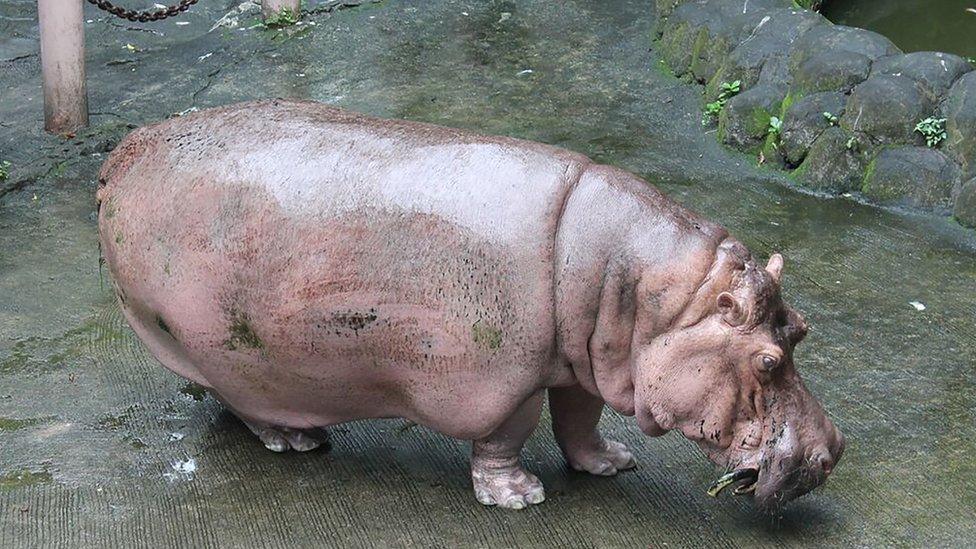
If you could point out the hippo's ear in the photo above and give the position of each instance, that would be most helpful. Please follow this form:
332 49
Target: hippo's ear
775 266
732 309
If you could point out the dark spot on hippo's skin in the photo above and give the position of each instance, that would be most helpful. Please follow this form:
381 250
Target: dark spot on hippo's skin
241 334
355 320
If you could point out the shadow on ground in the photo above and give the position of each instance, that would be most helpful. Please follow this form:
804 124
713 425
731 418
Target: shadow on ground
99 446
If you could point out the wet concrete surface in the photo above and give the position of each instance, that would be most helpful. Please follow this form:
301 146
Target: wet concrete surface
99 446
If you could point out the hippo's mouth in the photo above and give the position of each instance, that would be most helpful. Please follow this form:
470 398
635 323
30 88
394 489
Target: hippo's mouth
744 478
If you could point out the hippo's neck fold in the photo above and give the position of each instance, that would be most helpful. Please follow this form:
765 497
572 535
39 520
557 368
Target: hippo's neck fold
622 243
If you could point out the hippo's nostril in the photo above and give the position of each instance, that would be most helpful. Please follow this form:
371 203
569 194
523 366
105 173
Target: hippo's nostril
823 461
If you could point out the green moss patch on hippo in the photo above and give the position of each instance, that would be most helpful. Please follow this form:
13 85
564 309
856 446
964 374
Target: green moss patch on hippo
242 336
488 337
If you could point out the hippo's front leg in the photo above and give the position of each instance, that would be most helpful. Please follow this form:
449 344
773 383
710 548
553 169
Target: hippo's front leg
575 414
496 470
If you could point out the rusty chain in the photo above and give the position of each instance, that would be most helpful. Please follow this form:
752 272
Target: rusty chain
143 16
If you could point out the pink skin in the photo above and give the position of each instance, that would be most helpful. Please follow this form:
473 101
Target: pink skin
312 266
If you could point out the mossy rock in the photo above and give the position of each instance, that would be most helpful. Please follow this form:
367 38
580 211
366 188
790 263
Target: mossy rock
917 177
965 208
959 109
744 121
698 35
675 47
813 5
708 55
887 108
804 121
663 8
824 38
759 57
831 165
831 70
771 154
934 72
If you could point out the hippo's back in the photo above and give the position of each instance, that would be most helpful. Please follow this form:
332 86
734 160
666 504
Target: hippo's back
277 250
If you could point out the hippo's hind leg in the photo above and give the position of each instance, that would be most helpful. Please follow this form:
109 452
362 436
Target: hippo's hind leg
282 439
575 414
496 470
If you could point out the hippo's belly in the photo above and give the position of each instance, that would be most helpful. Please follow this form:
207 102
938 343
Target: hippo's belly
313 267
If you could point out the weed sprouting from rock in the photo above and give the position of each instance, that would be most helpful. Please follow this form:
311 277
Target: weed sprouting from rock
726 91
933 129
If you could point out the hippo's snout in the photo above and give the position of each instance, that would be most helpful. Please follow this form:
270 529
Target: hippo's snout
789 469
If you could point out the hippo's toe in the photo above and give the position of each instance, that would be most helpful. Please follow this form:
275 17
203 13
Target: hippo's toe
282 439
607 459
510 488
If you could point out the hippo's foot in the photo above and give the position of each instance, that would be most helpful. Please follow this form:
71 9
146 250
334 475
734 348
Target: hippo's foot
601 457
509 486
282 439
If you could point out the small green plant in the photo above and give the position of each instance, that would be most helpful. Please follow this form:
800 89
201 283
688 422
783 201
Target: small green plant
775 125
852 144
972 61
284 18
4 170
933 129
830 118
726 91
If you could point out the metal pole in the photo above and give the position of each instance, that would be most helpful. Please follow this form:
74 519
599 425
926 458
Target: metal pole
63 64
272 8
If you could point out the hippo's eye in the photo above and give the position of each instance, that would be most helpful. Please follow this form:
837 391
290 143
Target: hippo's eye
769 362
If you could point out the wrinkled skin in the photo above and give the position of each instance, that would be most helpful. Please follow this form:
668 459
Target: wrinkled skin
312 266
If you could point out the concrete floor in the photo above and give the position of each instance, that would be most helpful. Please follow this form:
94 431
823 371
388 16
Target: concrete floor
99 446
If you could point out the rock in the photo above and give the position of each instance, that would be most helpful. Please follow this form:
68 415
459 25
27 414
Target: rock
831 165
663 8
840 38
887 108
831 70
712 47
804 121
760 55
744 122
965 208
700 33
959 109
681 31
918 177
935 72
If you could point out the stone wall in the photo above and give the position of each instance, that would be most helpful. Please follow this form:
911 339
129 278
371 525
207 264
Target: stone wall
839 107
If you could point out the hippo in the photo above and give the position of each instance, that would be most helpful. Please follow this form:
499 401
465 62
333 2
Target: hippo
311 266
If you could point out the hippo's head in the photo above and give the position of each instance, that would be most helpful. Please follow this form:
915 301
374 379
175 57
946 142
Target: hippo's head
724 377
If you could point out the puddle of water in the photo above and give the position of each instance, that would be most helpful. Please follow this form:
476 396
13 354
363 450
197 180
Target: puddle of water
913 25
